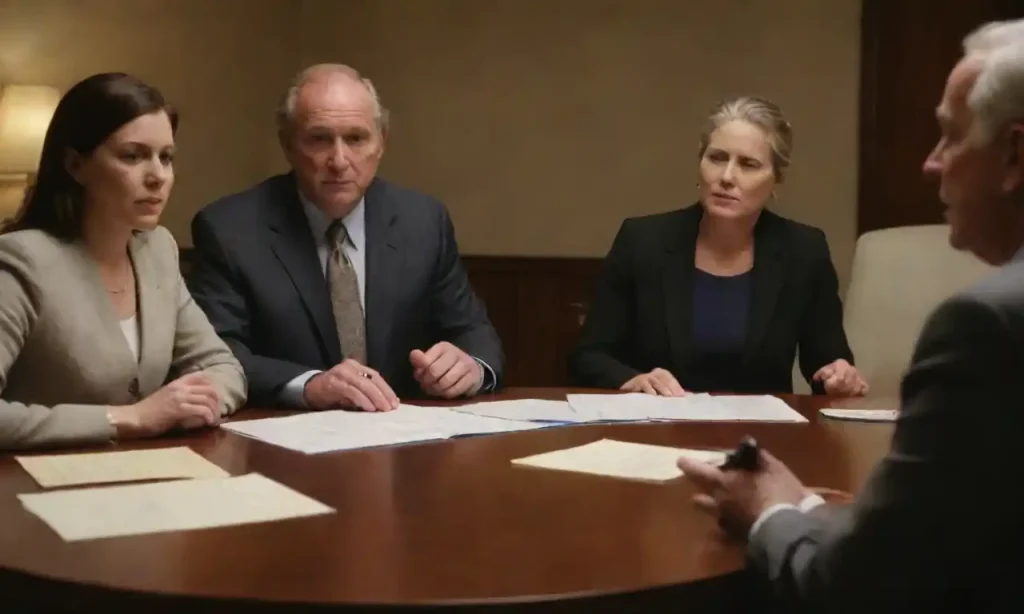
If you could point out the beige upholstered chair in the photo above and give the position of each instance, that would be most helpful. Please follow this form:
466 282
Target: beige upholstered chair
899 276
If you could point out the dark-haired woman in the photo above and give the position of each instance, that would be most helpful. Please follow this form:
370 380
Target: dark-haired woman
99 338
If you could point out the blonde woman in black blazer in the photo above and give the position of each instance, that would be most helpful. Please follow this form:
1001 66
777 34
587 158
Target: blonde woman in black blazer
719 296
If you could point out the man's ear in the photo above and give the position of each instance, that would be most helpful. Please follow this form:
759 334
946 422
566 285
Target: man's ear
1014 180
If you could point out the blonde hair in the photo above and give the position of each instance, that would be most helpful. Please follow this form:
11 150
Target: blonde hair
762 113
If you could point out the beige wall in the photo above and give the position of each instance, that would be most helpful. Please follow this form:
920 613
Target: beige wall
541 123
221 62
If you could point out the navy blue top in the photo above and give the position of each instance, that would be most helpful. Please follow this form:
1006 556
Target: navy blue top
721 307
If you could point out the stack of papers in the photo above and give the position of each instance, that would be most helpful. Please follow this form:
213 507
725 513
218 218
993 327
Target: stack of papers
329 431
697 407
582 408
211 499
608 457
168 506
865 415
103 467
536 410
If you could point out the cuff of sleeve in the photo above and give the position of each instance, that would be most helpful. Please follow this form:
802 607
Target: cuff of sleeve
490 380
806 504
810 502
294 392
766 514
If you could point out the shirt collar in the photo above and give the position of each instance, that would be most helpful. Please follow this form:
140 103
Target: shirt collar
355 221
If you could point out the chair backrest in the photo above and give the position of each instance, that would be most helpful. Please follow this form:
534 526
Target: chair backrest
899 276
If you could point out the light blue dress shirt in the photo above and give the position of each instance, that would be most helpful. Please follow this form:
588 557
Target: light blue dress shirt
293 393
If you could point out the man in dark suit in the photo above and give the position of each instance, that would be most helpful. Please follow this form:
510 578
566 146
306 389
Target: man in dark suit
336 288
939 526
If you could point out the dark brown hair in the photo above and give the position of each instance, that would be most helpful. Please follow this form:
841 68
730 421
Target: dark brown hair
86 116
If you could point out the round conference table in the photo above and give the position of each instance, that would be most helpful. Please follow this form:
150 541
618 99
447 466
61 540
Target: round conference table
437 525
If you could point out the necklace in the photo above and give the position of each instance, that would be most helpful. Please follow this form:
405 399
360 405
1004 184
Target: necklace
124 286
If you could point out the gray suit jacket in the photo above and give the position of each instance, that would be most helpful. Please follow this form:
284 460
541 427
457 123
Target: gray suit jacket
63 357
939 526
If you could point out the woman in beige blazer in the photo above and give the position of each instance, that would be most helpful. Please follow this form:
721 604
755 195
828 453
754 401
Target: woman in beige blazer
99 338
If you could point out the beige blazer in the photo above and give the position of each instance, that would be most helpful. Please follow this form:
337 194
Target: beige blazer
64 359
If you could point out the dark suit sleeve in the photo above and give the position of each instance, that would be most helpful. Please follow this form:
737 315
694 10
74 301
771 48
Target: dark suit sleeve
218 290
459 313
597 359
935 510
823 339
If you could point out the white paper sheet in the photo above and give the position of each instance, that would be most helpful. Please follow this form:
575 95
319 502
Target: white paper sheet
697 407
865 415
317 432
621 459
111 511
105 467
537 410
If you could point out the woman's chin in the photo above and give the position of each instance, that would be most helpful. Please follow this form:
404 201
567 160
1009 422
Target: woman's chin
144 223
731 211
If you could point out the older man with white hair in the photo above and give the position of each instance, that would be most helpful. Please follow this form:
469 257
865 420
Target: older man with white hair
333 286
939 526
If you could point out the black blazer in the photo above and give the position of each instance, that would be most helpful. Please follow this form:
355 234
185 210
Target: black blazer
259 280
640 318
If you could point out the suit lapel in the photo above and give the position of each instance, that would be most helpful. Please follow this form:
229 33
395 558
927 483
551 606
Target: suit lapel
293 244
769 269
102 309
677 283
153 308
382 268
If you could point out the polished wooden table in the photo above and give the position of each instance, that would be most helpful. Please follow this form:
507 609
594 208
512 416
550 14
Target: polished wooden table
448 523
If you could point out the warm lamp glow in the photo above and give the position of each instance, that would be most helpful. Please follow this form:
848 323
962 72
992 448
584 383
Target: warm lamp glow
25 113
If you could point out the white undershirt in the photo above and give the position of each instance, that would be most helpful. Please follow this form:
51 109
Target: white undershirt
130 328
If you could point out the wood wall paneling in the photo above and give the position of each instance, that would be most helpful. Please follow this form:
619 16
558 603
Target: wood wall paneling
537 306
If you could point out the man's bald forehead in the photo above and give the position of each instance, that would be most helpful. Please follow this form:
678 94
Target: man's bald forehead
319 78
327 72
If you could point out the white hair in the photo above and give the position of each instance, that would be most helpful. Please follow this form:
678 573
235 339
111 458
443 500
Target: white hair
286 108
997 97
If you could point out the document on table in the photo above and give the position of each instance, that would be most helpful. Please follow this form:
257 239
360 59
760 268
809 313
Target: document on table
696 406
864 415
104 467
181 505
613 407
329 431
608 457
536 410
